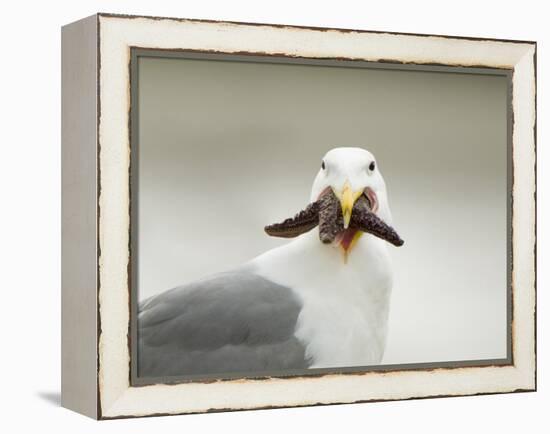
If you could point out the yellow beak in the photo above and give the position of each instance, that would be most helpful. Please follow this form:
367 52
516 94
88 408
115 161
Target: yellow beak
347 199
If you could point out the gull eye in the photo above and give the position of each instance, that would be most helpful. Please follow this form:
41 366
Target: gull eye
372 166
323 165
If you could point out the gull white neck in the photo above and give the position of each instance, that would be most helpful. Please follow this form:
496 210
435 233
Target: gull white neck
345 304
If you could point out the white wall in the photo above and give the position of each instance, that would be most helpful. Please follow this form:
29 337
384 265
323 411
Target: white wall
29 171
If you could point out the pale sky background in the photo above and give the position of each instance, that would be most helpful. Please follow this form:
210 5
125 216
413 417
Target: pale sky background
228 147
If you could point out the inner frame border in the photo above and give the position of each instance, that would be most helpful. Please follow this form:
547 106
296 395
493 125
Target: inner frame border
251 57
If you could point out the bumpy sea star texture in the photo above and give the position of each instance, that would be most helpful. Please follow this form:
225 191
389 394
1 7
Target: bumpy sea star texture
327 214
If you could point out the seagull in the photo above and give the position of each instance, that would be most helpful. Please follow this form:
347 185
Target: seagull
319 301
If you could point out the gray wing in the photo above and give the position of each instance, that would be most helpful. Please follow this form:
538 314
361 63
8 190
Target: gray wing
228 323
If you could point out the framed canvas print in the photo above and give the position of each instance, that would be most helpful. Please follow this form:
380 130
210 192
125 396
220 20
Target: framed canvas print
261 216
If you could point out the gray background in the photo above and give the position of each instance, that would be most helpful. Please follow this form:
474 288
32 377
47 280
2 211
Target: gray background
227 147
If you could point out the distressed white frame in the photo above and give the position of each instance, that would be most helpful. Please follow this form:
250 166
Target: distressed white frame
116 396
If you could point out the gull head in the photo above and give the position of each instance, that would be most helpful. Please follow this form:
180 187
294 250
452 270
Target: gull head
348 199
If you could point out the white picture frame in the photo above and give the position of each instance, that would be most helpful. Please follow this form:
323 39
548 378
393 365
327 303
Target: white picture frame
96 276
